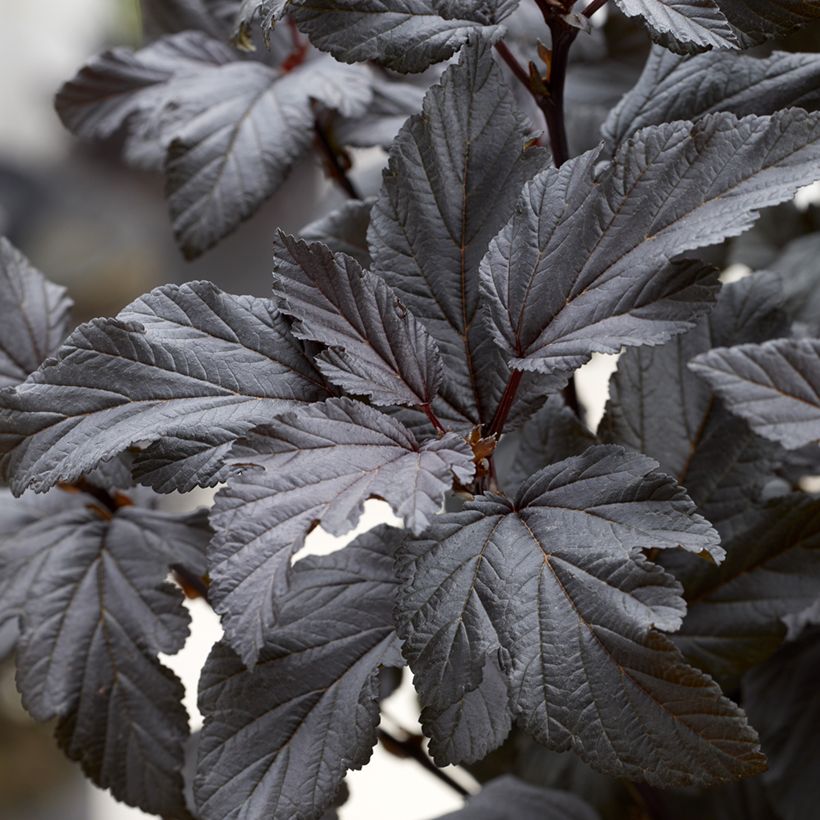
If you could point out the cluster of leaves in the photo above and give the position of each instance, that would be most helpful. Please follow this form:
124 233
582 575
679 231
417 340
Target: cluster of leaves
612 595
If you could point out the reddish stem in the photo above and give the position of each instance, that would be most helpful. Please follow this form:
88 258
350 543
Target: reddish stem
594 6
434 420
506 403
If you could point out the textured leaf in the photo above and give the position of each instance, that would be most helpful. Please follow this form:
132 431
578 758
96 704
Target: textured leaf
552 434
318 465
133 91
555 581
98 612
782 701
680 88
735 611
583 265
510 797
406 35
183 361
774 386
344 230
376 347
278 739
26 535
33 316
250 126
455 172
659 407
762 19
683 25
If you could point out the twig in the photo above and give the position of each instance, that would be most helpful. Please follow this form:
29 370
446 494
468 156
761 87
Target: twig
506 403
412 748
510 59
337 170
594 6
434 419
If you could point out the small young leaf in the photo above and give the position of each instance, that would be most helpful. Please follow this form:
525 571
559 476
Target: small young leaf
264 13
782 701
510 797
187 361
683 25
33 316
376 346
735 611
249 124
584 265
774 386
454 175
98 612
318 465
680 88
555 582
405 35
309 709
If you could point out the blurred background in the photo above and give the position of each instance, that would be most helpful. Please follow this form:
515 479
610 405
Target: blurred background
90 223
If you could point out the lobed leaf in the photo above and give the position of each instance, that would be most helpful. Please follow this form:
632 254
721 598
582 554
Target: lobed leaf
454 174
279 739
555 583
585 264
375 346
316 466
405 35
34 316
250 124
774 386
659 407
183 361
140 92
677 88
98 612
735 612
683 25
